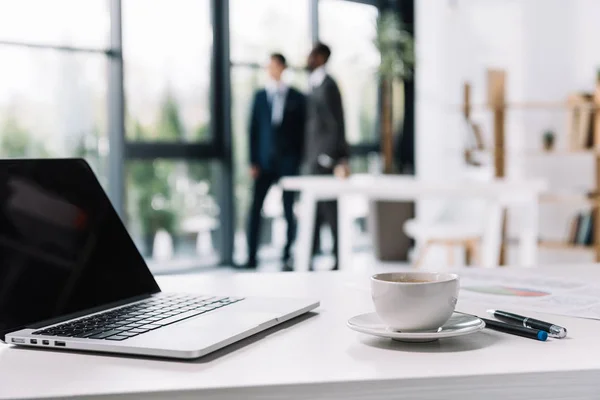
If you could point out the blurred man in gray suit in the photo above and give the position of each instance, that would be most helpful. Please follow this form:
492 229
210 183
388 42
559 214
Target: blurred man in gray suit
326 146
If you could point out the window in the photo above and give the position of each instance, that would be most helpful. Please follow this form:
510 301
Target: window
354 61
73 23
53 104
260 27
172 212
167 48
171 203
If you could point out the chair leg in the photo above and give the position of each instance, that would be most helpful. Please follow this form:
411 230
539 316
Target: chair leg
450 249
472 253
469 253
422 253
476 255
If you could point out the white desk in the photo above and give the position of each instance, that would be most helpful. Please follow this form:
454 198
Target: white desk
406 188
318 357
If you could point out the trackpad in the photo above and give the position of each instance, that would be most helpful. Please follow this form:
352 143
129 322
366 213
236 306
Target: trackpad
212 329
245 320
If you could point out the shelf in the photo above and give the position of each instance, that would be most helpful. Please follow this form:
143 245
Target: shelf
558 245
554 245
560 152
532 105
569 199
549 105
539 152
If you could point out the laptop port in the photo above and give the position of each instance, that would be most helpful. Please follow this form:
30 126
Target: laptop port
19 341
46 342
60 344
33 341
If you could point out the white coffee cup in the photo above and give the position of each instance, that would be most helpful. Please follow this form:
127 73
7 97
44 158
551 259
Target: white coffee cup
414 301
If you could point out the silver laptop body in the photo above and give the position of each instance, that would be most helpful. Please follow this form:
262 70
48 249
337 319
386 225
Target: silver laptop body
71 277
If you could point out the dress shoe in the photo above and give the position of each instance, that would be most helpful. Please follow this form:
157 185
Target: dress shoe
288 264
249 265
287 268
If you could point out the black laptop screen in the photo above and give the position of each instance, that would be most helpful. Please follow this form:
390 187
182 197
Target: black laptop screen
63 248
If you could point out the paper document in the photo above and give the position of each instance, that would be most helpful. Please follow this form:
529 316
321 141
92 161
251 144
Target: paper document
522 289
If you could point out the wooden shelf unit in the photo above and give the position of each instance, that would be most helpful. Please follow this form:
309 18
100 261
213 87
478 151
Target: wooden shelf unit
498 105
559 198
542 152
560 245
535 105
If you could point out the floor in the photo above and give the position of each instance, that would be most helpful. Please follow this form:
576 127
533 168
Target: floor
362 260
269 256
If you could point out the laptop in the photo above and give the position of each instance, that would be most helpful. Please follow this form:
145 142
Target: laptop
71 277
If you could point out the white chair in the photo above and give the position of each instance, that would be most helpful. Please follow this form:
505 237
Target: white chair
477 222
473 228
474 224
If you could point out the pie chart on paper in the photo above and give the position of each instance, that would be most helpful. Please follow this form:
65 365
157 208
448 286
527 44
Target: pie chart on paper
507 291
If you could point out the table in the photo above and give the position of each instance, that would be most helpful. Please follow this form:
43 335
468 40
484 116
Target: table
407 188
318 357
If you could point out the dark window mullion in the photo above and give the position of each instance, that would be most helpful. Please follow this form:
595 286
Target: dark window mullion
116 112
221 124
184 151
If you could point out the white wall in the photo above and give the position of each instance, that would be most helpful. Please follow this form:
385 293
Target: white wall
549 48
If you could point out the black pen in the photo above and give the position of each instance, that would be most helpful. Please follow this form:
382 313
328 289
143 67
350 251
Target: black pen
554 331
515 330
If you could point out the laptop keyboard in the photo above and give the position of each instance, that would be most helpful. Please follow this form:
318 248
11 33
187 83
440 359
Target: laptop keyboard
139 318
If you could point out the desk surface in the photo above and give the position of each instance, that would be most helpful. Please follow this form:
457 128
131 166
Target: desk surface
317 356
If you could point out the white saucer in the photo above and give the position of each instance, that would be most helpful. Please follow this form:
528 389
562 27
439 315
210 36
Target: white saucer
457 325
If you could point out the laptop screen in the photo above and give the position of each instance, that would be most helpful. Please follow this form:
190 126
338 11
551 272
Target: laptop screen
63 248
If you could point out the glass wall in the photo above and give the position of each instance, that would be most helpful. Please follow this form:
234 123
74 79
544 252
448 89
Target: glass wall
71 23
171 206
172 212
53 81
167 48
179 149
354 61
260 27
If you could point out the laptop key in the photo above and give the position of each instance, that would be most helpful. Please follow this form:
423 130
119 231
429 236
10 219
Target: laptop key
106 334
180 317
128 334
138 330
150 326
90 333
133 325
117 337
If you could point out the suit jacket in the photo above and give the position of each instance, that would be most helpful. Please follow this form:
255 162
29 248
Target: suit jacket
278 149
325 129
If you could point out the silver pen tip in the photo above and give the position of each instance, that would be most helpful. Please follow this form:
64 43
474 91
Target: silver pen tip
490 311
558 332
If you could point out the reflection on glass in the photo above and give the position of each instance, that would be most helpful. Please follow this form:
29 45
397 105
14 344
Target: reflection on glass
354 61
53 104
173 213
167 49
261 27
74 23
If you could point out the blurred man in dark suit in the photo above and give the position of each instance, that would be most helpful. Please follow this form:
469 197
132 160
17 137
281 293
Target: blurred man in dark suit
326 146
277 127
